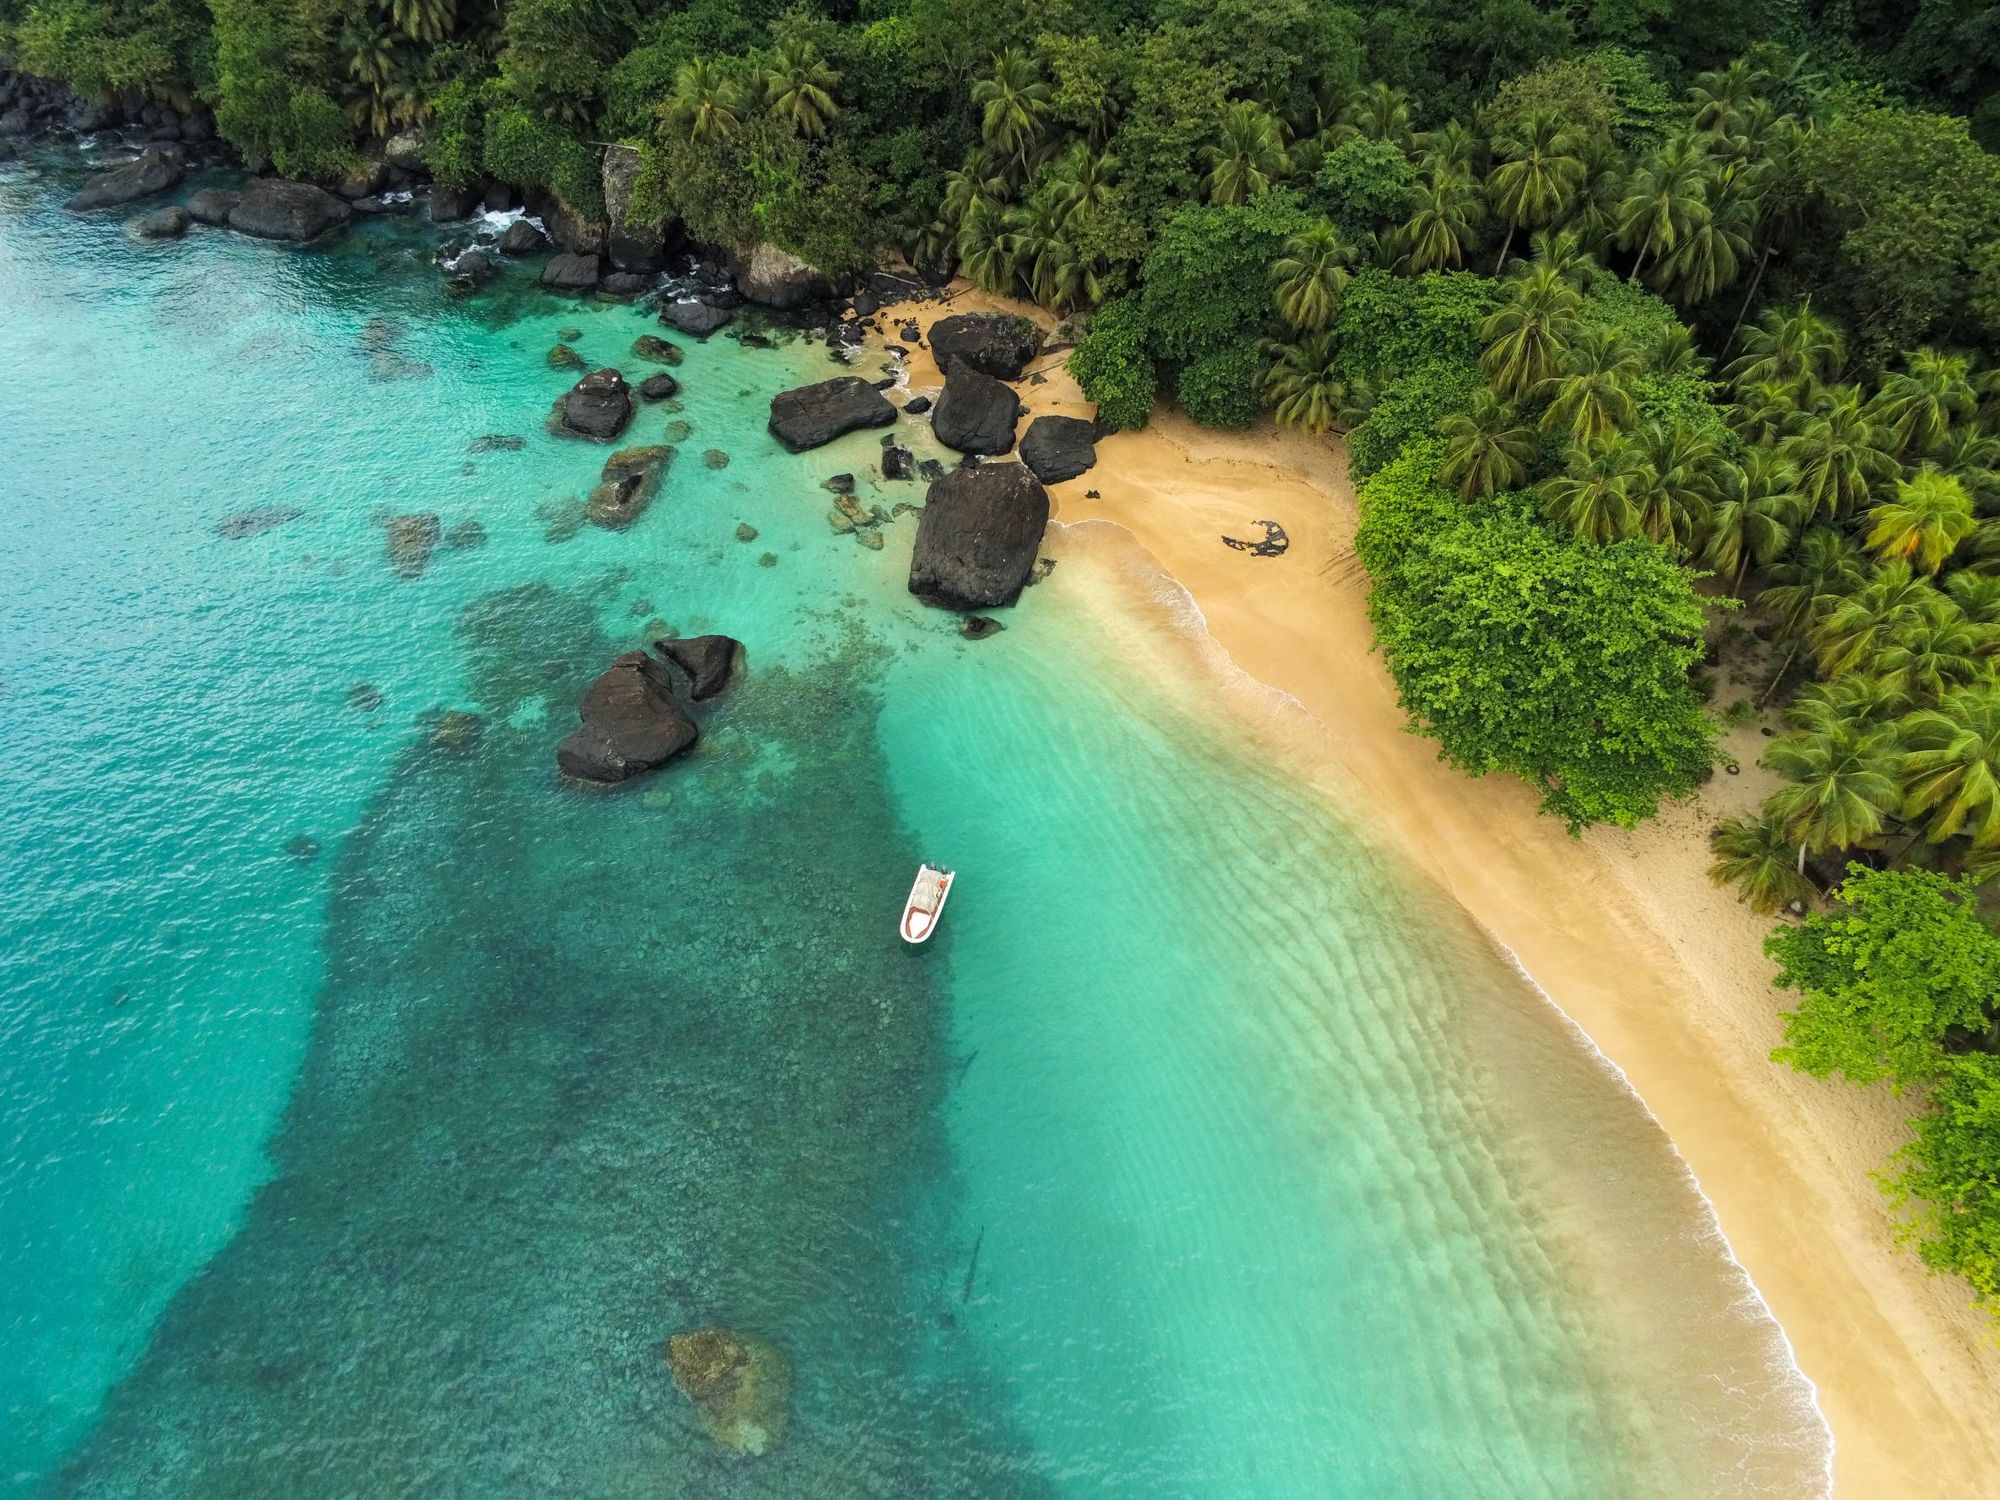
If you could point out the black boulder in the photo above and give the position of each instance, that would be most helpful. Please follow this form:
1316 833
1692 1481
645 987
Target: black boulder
816 414
978 537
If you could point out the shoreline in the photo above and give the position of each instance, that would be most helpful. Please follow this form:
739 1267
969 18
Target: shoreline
1661 974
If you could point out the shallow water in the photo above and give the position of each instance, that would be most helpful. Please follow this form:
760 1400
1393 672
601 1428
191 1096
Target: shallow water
372 1107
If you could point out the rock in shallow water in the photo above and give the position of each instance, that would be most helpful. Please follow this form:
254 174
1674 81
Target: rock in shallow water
740 1384
272 209
597 406
976 413
154 172
659 387
817 414
631 723
168 223
212 206
694 318
412 539
977 538
258 519
630 479
709 661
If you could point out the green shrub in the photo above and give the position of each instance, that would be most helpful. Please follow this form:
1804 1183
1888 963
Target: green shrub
1113 368
1221 388
1410 409
528 151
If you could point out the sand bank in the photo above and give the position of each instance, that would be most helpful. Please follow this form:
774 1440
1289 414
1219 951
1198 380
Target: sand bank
1624 931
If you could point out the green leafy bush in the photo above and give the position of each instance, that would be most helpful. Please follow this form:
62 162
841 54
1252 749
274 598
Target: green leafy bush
1113 368
1220 388
1410 409
1946 1179
527 150
1391 326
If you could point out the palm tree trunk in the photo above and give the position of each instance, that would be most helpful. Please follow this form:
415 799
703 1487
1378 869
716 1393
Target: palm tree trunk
1633 279
1765 696
1802 861
1748 297
1504 244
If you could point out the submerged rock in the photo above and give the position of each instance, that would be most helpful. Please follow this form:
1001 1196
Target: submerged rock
498 442
304 848
976 413
714 458
364 697
631 723
659 387
709 661
995 344
168 223
898 462
740 1384
596 407
817 414
455 732
465 536
571 273
412 539
154 172
1059 448
630 479
650 346
979 627
745 532
563 357
273 209
257 519
977 537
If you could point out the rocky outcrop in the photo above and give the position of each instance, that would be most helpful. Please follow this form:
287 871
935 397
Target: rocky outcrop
213 206
694 317
815 414
405 151
273 209
659 387
522 238
740 1384
597 406
570 229
572 273
898 462
448 204
412 539
777 278
154 172
976 413
631 724
1059 448
168 223
630 479
632 246
978 536
996 344
363 181
709 661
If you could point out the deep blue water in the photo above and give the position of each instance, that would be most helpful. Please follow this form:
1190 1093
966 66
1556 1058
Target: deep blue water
372 1107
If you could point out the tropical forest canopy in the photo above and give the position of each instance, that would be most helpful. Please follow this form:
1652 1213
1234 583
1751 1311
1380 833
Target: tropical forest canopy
1656 331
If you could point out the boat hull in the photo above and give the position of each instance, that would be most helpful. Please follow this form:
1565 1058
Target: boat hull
920 915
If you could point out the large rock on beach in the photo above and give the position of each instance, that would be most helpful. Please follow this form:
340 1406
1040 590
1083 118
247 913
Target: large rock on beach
777 278
976 413
709 661
273 209
977 539
996 344
740 1384
816 414
154 172
168 223
522 238
1059 448
572 273
694 317
597 406
631 723
213 206
630 479
639 245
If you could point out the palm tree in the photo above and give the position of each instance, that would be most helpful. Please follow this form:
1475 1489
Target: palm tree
1859 700
428 21
1710 251
1843 787
1755 855
1487 448
1537 173
1593 499
1951 767
1976 594
1013 101
1036 248
1854 630
1082 180
1676 480
1305 383
1797 348
1919 406
1450 150
1826 569
1528 334
983 246
1591 398
1720 98
1378 113
1838 455
1754 516
706 105
1310 276
1924 524
1765 413
1445 213
1661 197
799 86
1927 658
1593 216
1249 157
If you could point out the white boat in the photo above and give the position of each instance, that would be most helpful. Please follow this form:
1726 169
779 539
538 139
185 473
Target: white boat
926 903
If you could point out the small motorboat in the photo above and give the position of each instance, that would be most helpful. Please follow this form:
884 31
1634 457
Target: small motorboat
926 903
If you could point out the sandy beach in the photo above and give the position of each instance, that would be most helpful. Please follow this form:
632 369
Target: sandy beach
1623 931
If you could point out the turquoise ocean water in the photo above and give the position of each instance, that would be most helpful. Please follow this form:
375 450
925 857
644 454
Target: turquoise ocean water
372 1107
